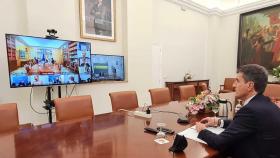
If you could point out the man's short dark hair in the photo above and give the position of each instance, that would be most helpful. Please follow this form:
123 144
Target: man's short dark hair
257 74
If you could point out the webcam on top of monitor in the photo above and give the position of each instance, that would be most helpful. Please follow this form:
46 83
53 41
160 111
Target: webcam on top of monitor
51 34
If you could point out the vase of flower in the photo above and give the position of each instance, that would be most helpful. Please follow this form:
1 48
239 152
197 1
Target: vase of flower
203 102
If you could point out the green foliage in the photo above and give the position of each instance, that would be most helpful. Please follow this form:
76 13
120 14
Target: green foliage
276 72
192 99
210 105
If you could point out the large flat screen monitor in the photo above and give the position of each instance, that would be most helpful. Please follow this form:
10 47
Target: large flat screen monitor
107 67
35 61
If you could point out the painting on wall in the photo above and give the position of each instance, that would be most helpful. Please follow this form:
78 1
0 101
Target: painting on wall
259 37
97 19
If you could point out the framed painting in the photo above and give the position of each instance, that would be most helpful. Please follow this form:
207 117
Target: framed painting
259 37
97 19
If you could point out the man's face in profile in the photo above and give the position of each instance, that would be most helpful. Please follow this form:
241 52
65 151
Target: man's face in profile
242 87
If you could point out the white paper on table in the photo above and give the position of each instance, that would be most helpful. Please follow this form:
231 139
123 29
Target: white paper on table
161 141
191 133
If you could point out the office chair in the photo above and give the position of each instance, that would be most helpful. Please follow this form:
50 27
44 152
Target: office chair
203 86
186 92
160 96
73 108
123 100
272 91
9 117
227 86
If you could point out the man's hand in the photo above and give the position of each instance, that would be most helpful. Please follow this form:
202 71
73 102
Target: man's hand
210 121
199 126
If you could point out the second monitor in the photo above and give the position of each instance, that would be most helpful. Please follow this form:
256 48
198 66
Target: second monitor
107 67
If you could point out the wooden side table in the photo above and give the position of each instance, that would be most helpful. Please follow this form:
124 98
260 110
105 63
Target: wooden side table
174 87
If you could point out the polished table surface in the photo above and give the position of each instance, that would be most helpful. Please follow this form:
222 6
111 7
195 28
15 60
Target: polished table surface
112 135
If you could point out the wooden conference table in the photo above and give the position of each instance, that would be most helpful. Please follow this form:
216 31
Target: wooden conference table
112 135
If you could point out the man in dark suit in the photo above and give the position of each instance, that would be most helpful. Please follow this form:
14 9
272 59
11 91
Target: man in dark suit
254 132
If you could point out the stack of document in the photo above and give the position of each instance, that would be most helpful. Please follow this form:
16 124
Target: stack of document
191 133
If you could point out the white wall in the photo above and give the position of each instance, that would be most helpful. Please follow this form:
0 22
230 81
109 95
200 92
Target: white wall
205 46
139 39
182 35
64 17
213 25
226 52
222 51
34 17
13 20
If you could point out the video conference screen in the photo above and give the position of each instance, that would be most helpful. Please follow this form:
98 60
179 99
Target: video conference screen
107 67
35 61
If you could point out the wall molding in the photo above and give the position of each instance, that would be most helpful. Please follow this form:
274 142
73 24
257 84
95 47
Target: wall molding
219 12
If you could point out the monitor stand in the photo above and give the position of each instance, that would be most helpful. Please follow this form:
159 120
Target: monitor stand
49 104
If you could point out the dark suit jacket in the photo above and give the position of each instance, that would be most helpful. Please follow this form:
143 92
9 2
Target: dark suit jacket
253 133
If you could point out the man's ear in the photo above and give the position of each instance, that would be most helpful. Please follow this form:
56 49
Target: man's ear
251 85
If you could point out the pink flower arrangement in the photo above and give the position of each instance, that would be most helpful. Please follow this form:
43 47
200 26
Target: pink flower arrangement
205 100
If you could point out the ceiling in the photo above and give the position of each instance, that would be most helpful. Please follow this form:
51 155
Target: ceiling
224 4
223 7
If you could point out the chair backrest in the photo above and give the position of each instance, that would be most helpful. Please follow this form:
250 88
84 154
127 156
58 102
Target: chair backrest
75 107
186 92
160 96
272 91
203 86
228 84
123 100
9 117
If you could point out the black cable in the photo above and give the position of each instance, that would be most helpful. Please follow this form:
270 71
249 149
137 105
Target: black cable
166 112
66 90
30 103
183 119
46 97
170 112
46 94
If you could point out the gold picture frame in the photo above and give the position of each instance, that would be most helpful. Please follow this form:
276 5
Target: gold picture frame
97 19
259 37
